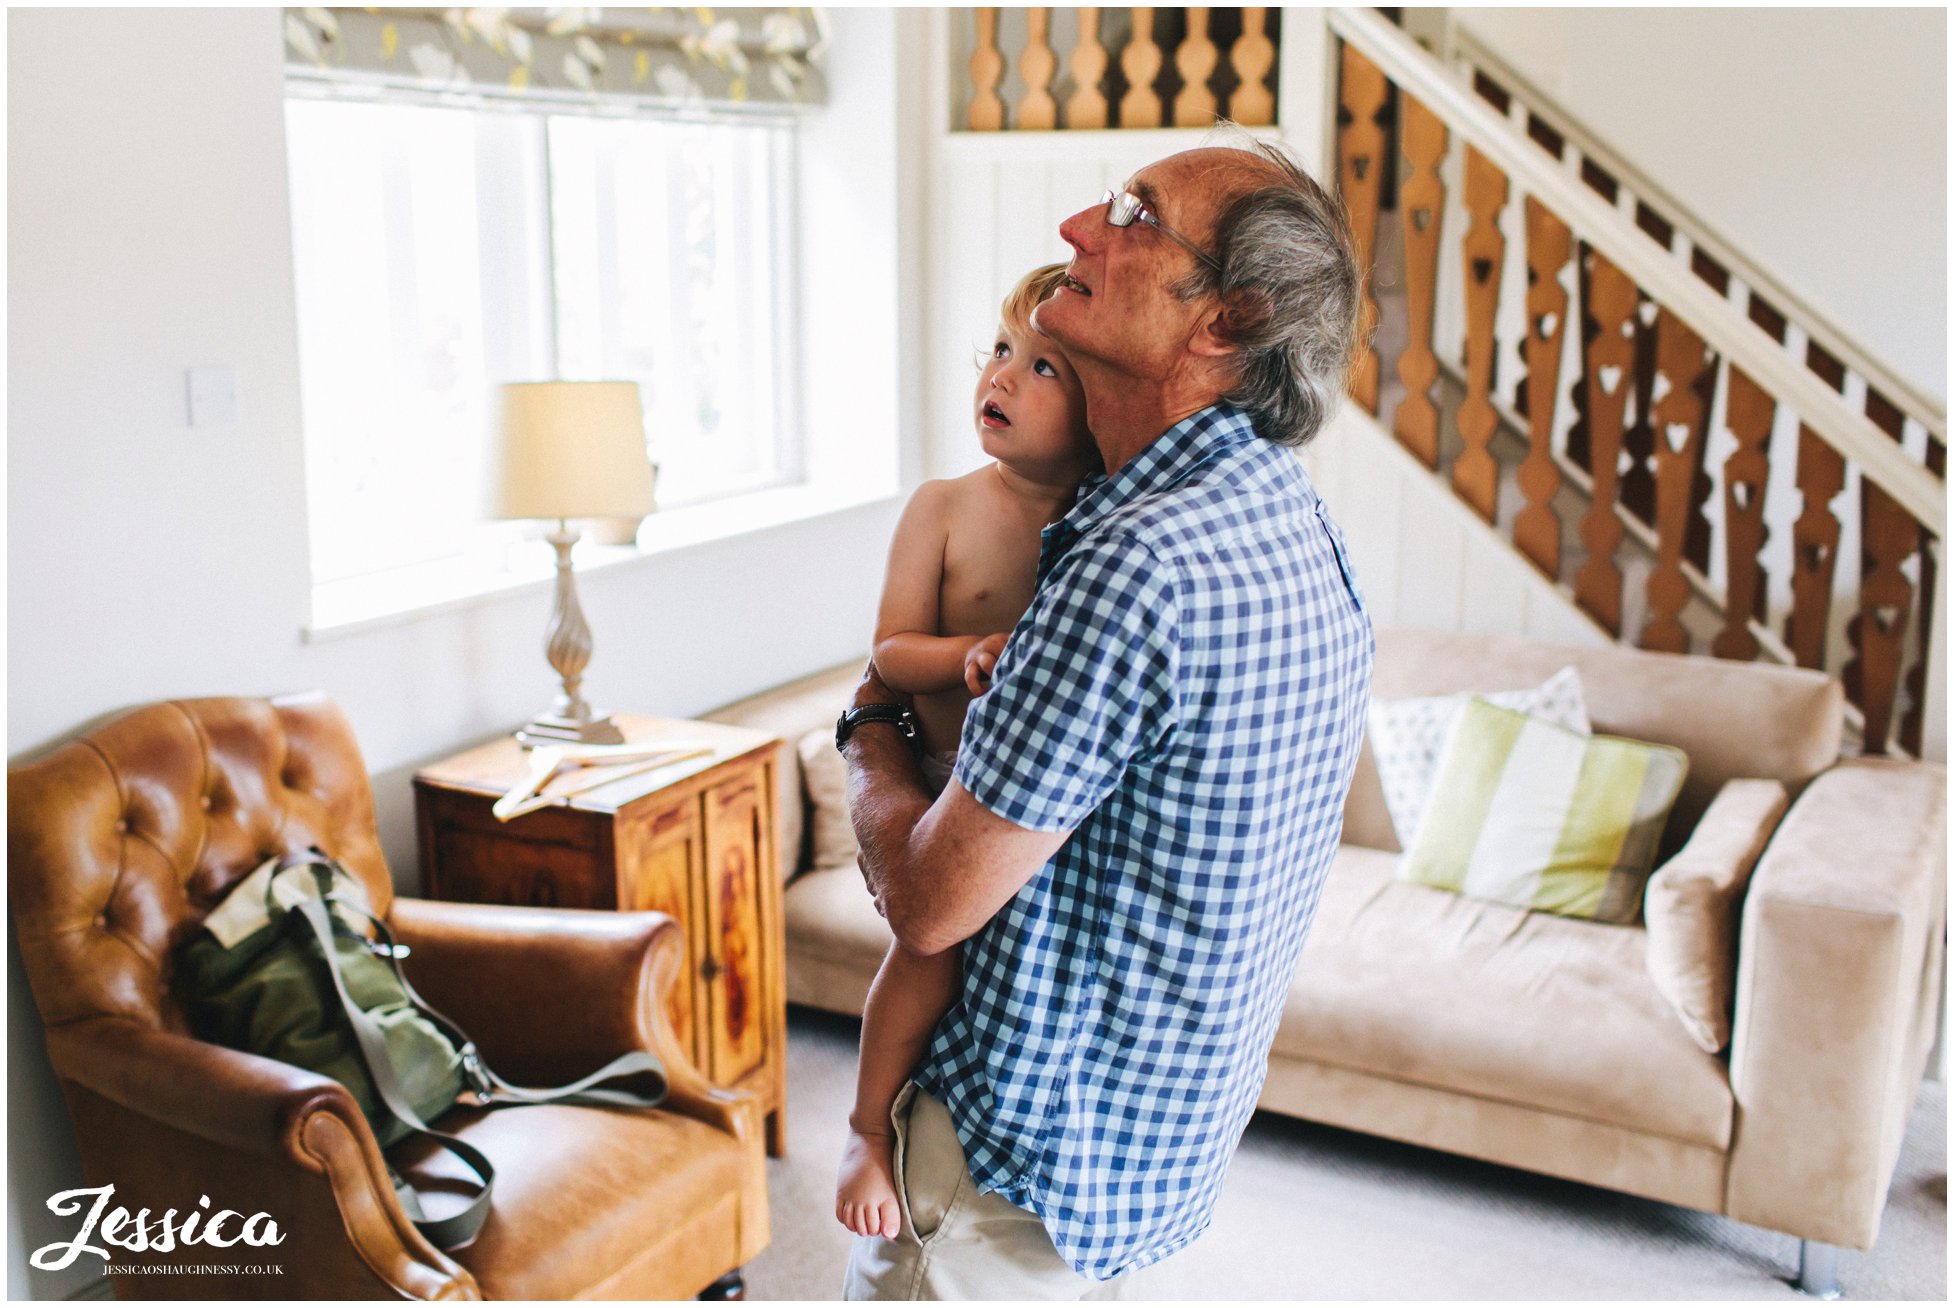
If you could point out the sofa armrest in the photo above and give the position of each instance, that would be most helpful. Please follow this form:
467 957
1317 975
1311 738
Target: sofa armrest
1838 955
550 994
1691 906
168 1109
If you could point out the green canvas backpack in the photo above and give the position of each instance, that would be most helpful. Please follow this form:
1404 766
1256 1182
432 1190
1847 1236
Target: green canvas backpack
293 965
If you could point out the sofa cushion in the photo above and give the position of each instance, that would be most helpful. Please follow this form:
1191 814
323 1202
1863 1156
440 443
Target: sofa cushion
1528 813
825 774
1693 902
830 915
1402 980
1408 737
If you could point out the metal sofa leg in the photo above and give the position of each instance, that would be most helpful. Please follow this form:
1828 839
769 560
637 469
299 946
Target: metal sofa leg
728 1288
1818 1269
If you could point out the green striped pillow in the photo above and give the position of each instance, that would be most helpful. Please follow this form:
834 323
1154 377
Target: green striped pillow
1528 813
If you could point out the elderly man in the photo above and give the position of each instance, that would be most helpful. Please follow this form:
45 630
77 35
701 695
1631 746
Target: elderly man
1148 797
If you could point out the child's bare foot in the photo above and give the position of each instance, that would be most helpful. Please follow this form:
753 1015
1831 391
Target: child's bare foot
865 1196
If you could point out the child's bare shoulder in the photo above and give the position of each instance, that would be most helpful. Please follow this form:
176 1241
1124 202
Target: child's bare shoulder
942 497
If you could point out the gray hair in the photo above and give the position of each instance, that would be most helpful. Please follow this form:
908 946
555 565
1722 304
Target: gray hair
1290 287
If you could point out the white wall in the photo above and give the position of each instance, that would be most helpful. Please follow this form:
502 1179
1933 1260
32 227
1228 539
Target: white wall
149 233
1815 140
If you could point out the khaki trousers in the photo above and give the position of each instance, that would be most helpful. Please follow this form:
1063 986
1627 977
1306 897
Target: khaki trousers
956 1243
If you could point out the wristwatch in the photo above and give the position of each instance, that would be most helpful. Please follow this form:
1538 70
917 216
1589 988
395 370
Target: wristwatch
894 714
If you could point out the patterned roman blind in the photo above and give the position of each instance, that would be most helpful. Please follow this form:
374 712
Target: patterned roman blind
762 59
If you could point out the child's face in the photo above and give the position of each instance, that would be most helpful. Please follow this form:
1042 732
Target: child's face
1031 410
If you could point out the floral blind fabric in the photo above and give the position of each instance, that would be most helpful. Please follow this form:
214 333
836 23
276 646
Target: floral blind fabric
676 57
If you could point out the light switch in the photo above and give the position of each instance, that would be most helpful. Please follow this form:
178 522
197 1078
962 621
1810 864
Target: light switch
213 397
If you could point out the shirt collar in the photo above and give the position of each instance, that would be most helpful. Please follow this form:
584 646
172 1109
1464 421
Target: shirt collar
1172 457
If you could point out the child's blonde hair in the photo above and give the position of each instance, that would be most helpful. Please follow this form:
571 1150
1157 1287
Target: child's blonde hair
1032 289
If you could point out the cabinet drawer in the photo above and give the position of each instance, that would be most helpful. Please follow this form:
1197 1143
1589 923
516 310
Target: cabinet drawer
554 825
486 869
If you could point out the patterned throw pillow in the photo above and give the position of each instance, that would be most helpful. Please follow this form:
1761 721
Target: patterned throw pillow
825 773
1528 813
1407 735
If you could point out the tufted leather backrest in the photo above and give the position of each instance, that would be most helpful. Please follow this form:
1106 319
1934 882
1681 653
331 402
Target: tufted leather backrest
121 841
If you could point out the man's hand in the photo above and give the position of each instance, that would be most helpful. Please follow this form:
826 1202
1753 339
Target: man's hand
980 659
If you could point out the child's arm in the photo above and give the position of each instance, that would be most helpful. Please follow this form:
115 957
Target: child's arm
908 653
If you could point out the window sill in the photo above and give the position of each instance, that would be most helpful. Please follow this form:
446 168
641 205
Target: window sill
364 604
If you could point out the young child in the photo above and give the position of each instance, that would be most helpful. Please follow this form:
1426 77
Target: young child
962 569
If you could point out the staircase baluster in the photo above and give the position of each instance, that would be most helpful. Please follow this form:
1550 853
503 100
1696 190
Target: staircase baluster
1195 61
1252 56
1549 247
1422 206
1037 112
1749 414
1680 419
1877 633
1607 379
1916 679
1475 473
1815 535
1361 164
1086 109
1140 62
986 112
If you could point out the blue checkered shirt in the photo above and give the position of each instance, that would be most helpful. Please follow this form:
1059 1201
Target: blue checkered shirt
1186 696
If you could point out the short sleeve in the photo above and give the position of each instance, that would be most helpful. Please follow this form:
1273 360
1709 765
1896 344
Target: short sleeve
1085 686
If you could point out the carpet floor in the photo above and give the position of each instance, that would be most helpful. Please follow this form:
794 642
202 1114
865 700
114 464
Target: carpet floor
1313 1212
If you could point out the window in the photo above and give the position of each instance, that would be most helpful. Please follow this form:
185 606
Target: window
440 250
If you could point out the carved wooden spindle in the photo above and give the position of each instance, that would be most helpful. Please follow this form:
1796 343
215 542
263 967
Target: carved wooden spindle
1607 379
1038 111
1749 413
1475 473
1140 62
986 112
1252 56
1549 247
1680 419
1877 633
1916 679
1195 61
1086 109
1422 203
1815 535
1361 164
1638 438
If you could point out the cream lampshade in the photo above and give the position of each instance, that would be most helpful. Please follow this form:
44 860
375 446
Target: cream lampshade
570 450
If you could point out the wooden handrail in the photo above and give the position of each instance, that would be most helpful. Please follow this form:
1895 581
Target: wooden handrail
1929 411
1878 456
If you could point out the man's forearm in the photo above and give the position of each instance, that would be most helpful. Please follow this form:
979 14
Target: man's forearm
887 801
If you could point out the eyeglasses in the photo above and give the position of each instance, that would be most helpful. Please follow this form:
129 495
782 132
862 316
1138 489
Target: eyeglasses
1124 206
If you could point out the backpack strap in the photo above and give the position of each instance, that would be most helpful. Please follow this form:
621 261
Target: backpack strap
445 1232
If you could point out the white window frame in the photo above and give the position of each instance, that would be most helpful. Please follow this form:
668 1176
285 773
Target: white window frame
359 603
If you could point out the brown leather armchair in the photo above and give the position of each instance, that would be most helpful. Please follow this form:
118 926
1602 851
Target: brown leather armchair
121 841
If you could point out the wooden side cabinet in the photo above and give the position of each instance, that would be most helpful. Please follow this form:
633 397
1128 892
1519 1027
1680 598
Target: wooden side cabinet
693 839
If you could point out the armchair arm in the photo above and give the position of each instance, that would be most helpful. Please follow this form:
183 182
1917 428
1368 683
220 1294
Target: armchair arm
241 1101
549 994
156 1111
1836 982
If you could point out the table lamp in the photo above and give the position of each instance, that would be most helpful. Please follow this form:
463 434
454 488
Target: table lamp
570 450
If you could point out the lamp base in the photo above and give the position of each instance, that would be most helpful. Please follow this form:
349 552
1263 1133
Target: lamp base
549 729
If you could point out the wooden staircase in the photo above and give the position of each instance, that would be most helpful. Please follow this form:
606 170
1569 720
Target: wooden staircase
1684 450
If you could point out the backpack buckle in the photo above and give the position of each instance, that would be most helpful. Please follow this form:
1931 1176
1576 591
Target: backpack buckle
476 1073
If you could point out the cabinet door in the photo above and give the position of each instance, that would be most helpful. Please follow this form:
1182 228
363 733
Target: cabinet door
735 964
659 863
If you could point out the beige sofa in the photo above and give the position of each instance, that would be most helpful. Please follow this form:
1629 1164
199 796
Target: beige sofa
1542 1042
